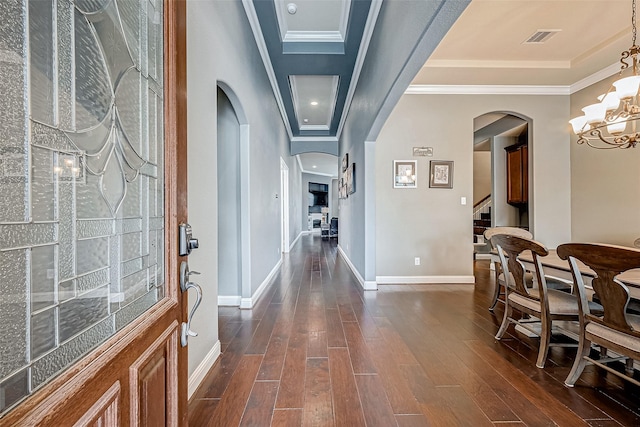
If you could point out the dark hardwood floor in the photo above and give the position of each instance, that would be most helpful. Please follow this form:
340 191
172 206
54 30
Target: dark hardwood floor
317 350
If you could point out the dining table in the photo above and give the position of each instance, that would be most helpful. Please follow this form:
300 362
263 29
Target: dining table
556 267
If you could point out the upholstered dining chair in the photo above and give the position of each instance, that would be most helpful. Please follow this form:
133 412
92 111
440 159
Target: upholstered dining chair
500 283
615 329
540 302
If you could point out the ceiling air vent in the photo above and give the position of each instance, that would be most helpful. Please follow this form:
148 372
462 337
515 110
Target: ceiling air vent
541 36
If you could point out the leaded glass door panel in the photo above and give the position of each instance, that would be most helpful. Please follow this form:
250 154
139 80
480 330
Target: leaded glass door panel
88 296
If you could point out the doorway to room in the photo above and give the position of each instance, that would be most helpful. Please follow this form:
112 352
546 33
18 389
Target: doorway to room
501 174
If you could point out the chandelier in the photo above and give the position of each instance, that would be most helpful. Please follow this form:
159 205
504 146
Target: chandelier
612 122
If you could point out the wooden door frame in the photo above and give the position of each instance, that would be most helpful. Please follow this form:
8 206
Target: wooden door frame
111 359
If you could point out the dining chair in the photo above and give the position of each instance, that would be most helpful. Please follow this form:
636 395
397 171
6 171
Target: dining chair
552 282
541 302
499 282
615 329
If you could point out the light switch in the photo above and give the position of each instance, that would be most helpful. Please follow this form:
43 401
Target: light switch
463 200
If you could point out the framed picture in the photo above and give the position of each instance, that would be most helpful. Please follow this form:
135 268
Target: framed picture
345 162
441 174
351 179
405 174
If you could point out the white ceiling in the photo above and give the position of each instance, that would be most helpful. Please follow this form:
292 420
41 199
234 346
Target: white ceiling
485 45
319 163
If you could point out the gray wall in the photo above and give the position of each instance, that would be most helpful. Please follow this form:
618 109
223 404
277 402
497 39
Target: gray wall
221 50
432 223
481 175
229 273
407 32
504 214
605 195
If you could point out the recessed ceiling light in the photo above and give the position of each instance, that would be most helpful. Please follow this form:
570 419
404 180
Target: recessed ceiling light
314 166
292 8
314 103
305 120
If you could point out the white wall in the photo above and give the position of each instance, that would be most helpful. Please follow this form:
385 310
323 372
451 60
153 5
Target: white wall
221 49
431 223
605 190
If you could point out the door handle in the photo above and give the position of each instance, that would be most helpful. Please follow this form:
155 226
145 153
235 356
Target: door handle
185 285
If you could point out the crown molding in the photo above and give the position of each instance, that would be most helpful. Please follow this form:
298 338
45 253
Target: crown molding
595 77
264 53
313 37
314 139
485 63
486 90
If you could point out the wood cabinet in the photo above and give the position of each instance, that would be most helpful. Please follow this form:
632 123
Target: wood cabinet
517 175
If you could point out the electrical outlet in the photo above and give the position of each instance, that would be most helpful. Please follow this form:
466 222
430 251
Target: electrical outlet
463 200
417 260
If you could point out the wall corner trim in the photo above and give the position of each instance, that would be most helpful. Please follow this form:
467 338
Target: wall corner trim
413 280
247 303
367 285
203 368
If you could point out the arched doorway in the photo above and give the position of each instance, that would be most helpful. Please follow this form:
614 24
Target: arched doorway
234 257
502 173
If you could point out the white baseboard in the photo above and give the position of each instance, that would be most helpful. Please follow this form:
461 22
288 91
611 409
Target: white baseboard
367 285
247 303
412 280
229 301
295 241
205 366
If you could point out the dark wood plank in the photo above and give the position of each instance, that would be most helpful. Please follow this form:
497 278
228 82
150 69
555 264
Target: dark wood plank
271 368
317 344
287 418
347 407
200 411
400 395
229 411
335 333
261 336
318 409
291 393
545 402
358 350
412 421
375 404
259 408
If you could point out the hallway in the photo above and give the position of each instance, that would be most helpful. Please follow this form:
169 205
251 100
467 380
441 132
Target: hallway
317 350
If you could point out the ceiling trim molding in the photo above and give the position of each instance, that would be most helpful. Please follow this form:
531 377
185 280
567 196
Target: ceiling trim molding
486 90
344 17
482 63
266 60
299 162
314 127
314 139
313 37
318 173
334 98
367 33
595 77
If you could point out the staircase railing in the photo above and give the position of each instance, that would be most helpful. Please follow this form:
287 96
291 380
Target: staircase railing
483 206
